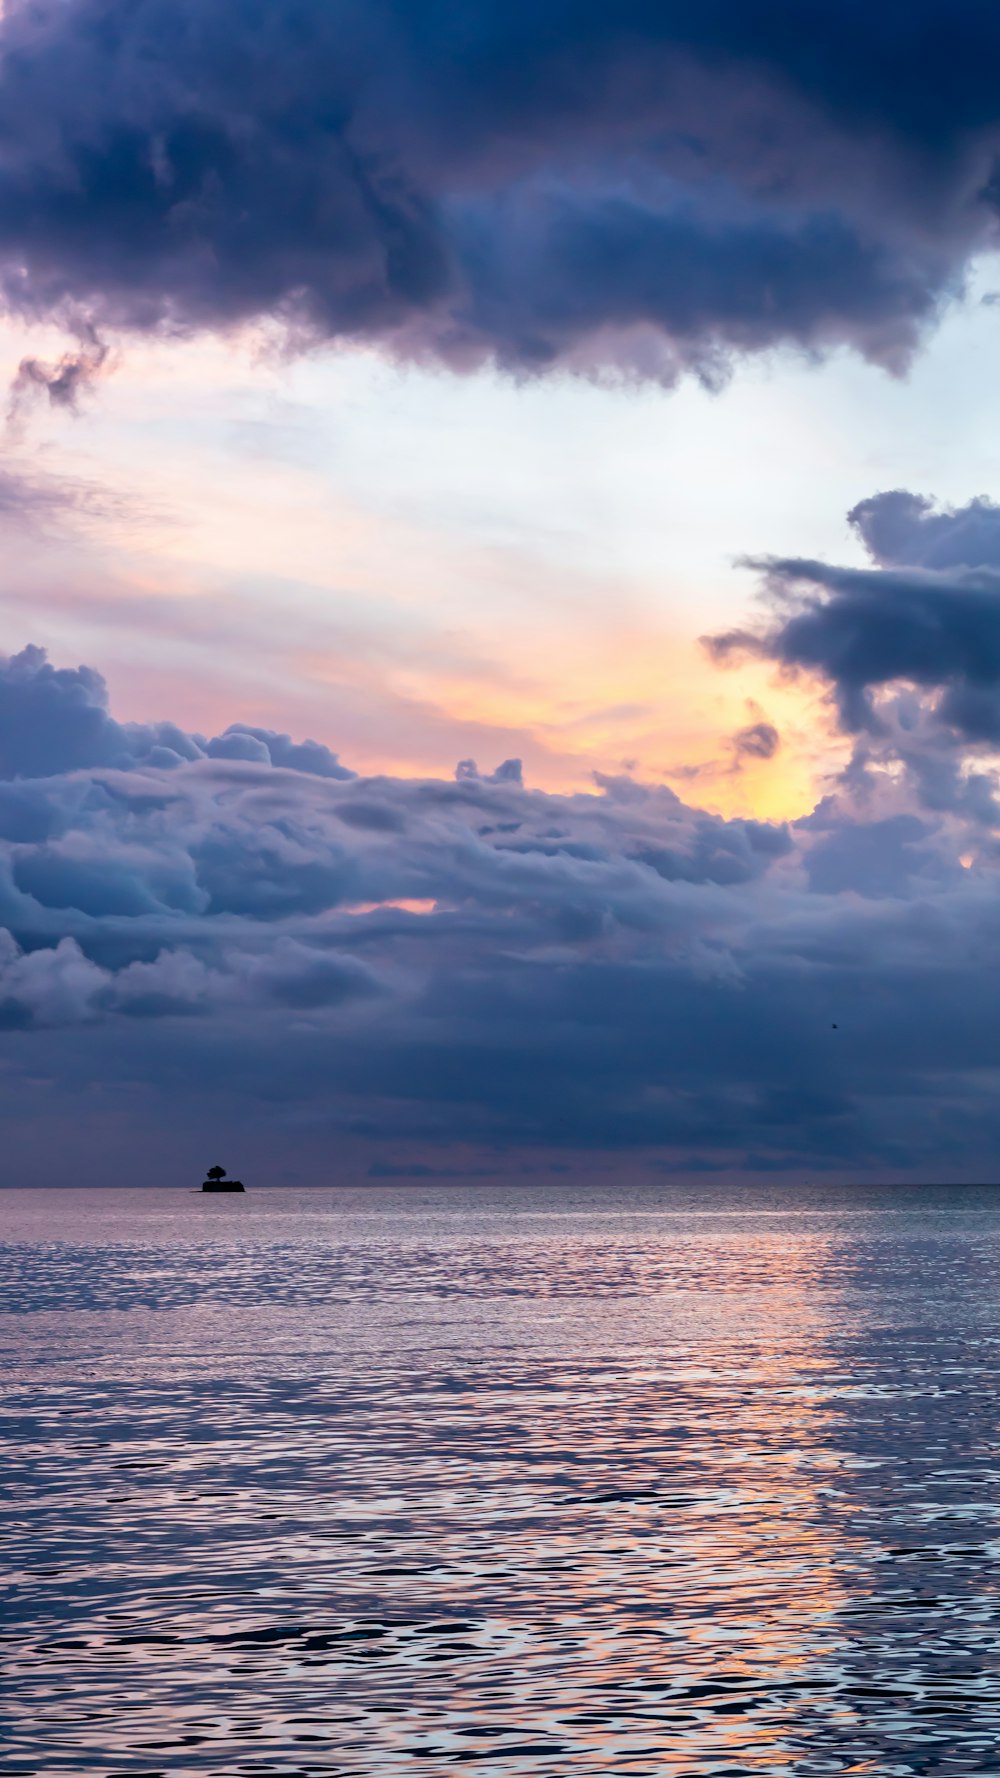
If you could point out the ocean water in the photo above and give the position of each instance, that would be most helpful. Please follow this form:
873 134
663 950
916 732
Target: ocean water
419 1480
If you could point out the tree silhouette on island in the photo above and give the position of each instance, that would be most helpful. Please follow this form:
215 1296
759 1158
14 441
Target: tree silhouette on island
216 1181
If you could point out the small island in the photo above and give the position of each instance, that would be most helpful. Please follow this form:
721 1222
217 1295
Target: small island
216 1181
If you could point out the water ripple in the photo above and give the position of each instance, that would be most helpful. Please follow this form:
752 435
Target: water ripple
321 1484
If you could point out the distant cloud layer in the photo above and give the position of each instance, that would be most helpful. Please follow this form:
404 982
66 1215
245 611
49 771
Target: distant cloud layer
238 932
648 186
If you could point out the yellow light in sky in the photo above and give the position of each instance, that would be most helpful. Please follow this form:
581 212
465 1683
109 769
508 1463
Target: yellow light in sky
252 553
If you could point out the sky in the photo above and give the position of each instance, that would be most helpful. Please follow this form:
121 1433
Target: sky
500 651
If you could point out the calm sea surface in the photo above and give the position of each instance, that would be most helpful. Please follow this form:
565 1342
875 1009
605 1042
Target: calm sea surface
405 1481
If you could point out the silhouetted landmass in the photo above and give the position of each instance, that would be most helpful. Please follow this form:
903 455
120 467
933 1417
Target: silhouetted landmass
216 1181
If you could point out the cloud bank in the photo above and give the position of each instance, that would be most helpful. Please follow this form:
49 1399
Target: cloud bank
236 933
648 187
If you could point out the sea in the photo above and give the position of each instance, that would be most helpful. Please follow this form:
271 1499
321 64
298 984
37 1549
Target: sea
585 1479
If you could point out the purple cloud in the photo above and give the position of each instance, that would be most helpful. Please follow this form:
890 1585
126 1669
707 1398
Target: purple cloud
327 961
652 187
927 617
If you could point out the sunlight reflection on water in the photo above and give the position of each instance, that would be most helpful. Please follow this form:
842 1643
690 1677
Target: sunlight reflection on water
409 1480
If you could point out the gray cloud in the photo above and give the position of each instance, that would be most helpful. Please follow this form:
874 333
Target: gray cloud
903 530
758 740
651 187
314 958
56 719
927 617
62 382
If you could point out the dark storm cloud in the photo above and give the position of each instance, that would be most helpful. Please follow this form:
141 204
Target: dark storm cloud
420 967
928 618
867 629
653 186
